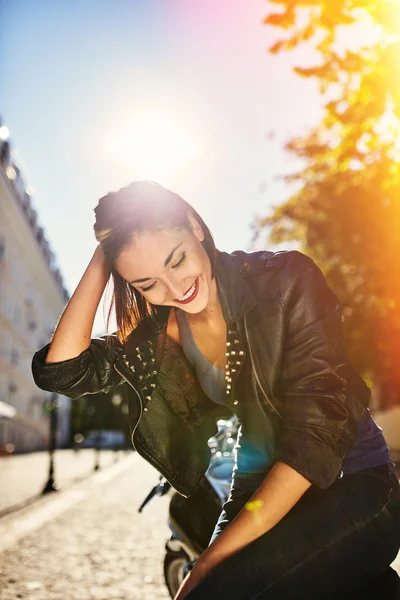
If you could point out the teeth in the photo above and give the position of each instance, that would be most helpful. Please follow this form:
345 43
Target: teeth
188 294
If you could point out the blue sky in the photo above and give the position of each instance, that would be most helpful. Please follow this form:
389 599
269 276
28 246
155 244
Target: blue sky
78 78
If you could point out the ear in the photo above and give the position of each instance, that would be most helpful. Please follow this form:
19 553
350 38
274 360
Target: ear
196 228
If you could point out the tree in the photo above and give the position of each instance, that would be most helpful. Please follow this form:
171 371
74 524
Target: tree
345 211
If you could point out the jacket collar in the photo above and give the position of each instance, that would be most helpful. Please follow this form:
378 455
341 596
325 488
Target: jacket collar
235 295
144 348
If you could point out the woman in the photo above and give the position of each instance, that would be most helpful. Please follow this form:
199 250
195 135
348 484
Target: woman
314 506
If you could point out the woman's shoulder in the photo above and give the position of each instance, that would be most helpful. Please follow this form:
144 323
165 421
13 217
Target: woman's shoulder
254 263
294 273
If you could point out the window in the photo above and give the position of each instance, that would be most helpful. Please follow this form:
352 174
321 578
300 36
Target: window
5 346
2 248
14 357
30 315
9 308
17 316
12 393
3 290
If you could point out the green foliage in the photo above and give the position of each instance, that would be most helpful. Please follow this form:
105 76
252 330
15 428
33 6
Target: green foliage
346 210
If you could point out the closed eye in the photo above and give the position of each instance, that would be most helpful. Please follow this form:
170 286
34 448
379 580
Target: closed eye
146 289
180 261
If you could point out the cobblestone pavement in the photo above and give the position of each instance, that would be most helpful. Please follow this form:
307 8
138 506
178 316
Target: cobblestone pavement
88 542
95 546
23 476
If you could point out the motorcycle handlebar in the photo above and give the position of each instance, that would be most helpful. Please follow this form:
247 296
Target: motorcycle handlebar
160 489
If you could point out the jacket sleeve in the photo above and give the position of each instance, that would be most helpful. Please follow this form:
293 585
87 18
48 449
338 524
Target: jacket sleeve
90 372
323 396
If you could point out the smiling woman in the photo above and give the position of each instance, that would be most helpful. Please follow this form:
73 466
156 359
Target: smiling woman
154 145
313 486
130 224
176 279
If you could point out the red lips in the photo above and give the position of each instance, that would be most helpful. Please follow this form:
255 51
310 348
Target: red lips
192 297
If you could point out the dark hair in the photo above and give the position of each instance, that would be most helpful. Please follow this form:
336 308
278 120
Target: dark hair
137 207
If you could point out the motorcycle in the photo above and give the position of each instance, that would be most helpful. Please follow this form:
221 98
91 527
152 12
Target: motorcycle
192 520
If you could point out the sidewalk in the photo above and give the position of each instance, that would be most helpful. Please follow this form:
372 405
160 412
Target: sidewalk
23 476
89 542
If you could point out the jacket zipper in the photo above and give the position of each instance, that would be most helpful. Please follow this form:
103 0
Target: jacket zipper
275 410
145 456
140 402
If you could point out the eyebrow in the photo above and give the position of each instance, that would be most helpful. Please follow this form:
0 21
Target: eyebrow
166 263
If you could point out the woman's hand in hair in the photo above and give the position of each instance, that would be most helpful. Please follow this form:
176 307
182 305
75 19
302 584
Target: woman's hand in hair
74 329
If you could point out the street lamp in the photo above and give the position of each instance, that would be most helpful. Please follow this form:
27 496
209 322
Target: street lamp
52 485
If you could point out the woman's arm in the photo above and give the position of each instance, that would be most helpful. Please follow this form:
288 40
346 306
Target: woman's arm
74 330
73 364
280 491
323 397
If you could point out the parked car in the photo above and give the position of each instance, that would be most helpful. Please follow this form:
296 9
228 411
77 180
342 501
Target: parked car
104 439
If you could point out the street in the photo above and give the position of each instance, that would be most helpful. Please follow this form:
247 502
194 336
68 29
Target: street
87 541
23 476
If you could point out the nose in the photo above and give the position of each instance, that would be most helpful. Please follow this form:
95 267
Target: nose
174 288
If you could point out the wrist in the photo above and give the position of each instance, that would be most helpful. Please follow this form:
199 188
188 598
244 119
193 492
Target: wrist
207 561
98 254
100 261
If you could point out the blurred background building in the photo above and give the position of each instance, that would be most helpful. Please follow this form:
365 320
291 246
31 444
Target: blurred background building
32 296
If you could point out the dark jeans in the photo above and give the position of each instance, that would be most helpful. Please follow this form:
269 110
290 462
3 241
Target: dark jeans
332 545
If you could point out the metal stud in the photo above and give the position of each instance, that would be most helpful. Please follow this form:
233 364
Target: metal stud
233 370
235 402
229 379
238 362
146 409
228 343
226 353
154 372
241 352
151 350
236 342
148 397
228 387
137 349
124 356
132 368
139 357
153 360
140 376
233 352
153 385
144 363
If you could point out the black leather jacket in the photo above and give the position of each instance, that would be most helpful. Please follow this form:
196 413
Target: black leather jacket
288 377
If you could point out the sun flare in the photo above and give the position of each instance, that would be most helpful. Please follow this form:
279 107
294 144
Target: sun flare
153 145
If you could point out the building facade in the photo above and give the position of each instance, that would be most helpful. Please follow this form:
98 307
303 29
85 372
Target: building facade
32 297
